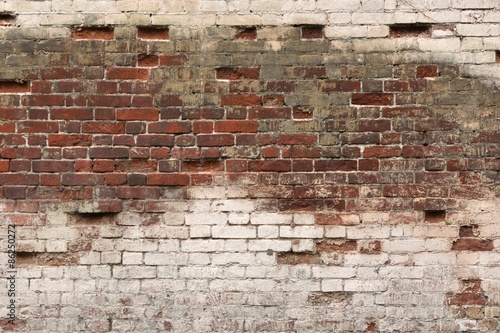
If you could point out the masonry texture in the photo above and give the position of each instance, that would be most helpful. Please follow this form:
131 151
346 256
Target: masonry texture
251 166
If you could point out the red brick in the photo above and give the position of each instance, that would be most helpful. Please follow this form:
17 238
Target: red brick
127 73
236 126
104 33
73 153
202 166
149 32
50 179
69 140
340 85
249 33
280 86
270 152
472 244
14 87
311 32
236 165
382 151
53 166
82 179
201 179
372 99
335 165
115 179
270 113
41 87
173 59
409 111
174 127
103 166
168 179
435 125
43 100
18 179
23 153
103 127
238 73
297 139
427 71
4 166
374 125
203 127
110 100
215 140
108 152
71 114
170 100
58 73
305 152
148 60
137 114
107 87
270 165
309 72
241 99
146 140
27 206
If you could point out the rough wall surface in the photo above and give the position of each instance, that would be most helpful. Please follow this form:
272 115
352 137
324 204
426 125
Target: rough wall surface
250 166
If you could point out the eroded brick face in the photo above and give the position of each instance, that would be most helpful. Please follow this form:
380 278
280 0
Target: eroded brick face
197 168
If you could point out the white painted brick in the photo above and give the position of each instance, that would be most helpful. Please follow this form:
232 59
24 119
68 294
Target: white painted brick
306 18
264 285
401 272
111 257
233 272
128 286
339 6
216 192
78 272
467 258
198 258
52 272
329 285
210 218
30 245
200 231
265 258
333 272
446 45
142 245
134 272
274 245
234 205
365 285
57 233
300 285
235 20
303 219
30 272
476 4
357 259
235 218
372 5
100 271
47 285
167 272
201 272
270 218
166 232
235 245
90 258
428 259
173 218
85 286
132 258
303 245
271 6
195 245
110 232
368 232
301 232
268 231
335 231
133 232
159 259
403 246
234 232
168 245
231 285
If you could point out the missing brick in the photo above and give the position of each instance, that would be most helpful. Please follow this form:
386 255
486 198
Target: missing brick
435 216
91 33
8 87
497 56
96 218
312 32
153 32
410 30
45 259
246 33
7 19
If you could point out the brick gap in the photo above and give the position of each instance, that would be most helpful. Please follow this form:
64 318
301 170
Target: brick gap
435 216
246 33
410 30
311 31
14 86
153 32
93 218
497 56
93 32
7 19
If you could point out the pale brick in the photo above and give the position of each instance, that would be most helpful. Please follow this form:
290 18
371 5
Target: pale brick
273 245
173 218
333 272
192 245
132 258
134 272
268 231
477 4
52 272
329 285
235 245
218 192
234 205
161 259
111 257
356 259
339 6
306 18
141 245
100 271
427 259
270 218
235 218
90 258
368 232
155 231
301 232
76 272
402 272
365 285
57 233
303 245
211 218
234 232
198 258
200 231
336 231
303 219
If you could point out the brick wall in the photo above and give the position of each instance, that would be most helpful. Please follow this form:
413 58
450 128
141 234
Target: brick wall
251 166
